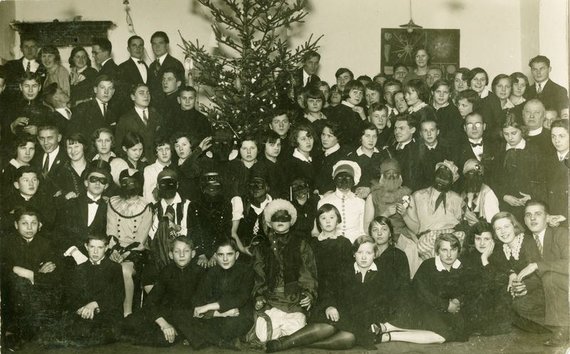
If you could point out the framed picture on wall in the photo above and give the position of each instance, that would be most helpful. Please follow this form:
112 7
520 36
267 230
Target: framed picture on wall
398 46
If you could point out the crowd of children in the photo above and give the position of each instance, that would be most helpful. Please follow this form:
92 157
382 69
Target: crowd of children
415 207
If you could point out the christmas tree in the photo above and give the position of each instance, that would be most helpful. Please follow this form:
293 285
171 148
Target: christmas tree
252 64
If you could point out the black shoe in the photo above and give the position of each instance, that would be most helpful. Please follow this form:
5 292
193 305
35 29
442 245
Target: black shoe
273 346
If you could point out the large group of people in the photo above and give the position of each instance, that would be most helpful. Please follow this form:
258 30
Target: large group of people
421 206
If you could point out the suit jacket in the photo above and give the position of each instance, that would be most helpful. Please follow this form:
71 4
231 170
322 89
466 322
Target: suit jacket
50 181
542 141
557 185
298 78
409 164
72 225
555 251
129 73
464 152
110 68
14 71
87 117
553 96
131 121
154 80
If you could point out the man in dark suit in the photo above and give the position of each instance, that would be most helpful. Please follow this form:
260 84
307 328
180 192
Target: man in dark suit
140 119
553 96
534 113
84 215
405 150
50 159
430 151
101 51
159 41
131 72
89 116
307 75
15 69
552 268
477 145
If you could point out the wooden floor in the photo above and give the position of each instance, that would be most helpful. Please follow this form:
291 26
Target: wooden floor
515 342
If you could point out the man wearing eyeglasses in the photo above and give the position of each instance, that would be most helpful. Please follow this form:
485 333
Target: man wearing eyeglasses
477 145
84 215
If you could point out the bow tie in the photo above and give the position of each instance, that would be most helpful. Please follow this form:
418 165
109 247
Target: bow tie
91 201
140 62
476 144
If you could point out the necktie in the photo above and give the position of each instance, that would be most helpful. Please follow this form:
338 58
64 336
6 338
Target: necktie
104 110
538 244
169 213
538 87
400 146
45 168
68 112
157 68
440 199
28 67
145 117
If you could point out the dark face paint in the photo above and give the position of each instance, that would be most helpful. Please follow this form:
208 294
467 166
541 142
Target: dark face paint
344 181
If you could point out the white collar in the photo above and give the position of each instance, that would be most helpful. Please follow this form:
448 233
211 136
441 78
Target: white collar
98 157
417 107
17 164
140 112
520 145
360 151
90 196
542 84
105 61
161 58
440 267
508 104
348 104
562 156
535 132
332 150
299 155
176 200
405 143
259 210
321 237
541 235
431 147
484 93
137 61
373 268
442 106
53 153
476 141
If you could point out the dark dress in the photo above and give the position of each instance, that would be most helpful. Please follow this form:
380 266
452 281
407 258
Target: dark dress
450 125
324 166
83 90
433 289
231 289
487 301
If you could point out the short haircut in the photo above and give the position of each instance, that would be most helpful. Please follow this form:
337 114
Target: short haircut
184 239
470 95
97 237
267 136
511 120
182 134
364 126
226 241
474 72
174 72
28 38
534 202
160 34
247 137
360 240
397 66
382 220
161 141
53 128
352 85
539 59
374 86
341 71
279 111
519 229
136 86
378 76
518 75
498 78
408 119
335 129
77 138
22 170
314 93
440 82
298 129
51 49
48 92
102 78
20 211
132 38
324 83
98 132
451 238
425 50
559 123
435 67
365 78
104 44
76 50
421 88
30 76
325 208
311 54
131 139
473 114
22 140
186 88
429 119
477 229
377 106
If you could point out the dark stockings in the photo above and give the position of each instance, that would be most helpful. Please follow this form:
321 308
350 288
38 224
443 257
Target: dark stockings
307 335
338 341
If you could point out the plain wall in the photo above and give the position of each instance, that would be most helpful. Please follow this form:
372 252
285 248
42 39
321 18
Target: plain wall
499 36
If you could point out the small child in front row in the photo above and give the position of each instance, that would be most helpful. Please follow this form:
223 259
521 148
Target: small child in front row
173 293
94 302
30 279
